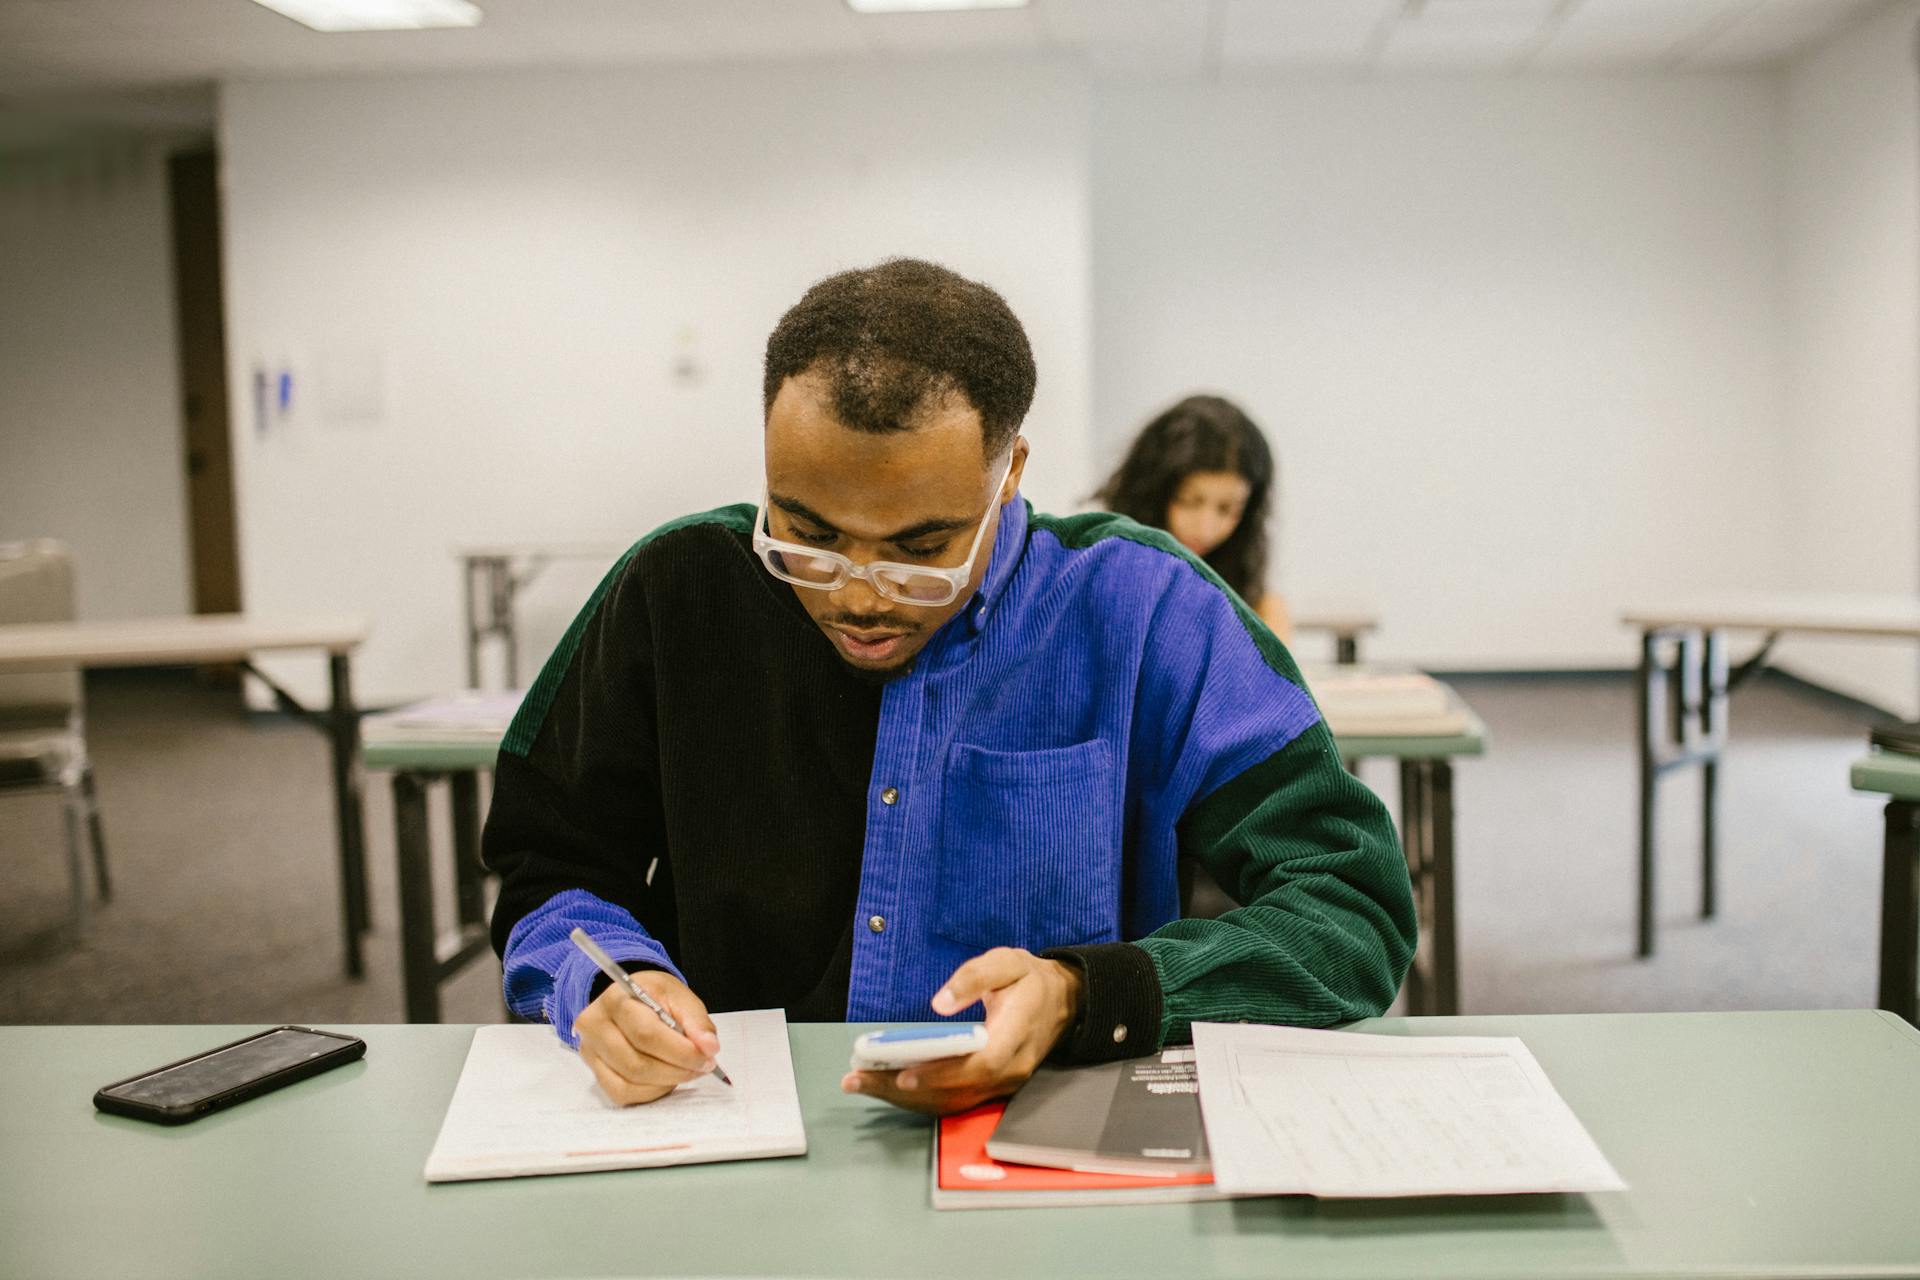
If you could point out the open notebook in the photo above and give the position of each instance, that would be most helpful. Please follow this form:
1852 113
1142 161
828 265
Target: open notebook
526 1104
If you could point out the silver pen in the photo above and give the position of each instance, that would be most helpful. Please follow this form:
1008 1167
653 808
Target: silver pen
619 975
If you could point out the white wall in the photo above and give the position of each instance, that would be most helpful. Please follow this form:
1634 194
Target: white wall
90 436
1516 340
1853 350
511 264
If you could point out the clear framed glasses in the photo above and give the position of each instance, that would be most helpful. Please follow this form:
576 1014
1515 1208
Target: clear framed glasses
915 584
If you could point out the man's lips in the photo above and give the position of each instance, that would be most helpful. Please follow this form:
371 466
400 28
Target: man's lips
872 646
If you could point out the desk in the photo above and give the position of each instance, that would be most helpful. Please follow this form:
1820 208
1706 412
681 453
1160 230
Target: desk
493 574
1682 703
1741 1154
1897 777
416 764
1426 837
1346 620
214 639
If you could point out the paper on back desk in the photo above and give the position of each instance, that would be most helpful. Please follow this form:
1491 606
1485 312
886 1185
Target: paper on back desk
526 1104
1341 1113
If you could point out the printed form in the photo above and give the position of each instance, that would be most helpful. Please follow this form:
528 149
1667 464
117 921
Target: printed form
526 1104
1341 1113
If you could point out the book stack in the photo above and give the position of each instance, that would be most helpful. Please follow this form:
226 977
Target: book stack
1369 702
469 716
1120 1133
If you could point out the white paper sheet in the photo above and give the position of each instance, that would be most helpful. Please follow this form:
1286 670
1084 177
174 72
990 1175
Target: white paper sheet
526 1104
1339 1113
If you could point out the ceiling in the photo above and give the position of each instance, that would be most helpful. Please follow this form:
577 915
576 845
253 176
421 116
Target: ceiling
53 47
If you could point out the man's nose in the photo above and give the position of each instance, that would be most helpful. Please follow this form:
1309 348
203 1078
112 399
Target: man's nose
859 598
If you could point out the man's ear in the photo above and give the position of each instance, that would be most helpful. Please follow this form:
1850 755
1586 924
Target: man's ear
1018 468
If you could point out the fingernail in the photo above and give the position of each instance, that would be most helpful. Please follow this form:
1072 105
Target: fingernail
850 1084
943 1001
908 1081
707 1066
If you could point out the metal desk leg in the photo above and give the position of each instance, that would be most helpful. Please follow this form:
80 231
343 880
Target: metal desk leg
419 964
343 732
469 874
1446 964
1900 910
1709 734
1648 717
468 567
1414 842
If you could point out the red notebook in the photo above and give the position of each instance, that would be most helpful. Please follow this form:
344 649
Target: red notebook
966 1177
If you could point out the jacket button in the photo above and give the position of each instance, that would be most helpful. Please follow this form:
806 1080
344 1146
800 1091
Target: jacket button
890 796
1120 1034
877 923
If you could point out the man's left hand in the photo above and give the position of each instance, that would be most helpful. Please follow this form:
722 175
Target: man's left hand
1030 1004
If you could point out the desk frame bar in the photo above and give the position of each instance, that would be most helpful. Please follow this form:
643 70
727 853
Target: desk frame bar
422 965
341 724
1681 720
491 578
1900 911
1426 834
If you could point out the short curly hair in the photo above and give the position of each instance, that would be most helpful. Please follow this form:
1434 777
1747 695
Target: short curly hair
892 340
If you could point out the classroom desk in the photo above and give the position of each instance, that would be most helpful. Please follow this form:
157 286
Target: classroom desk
1426 837
492 576
219 639
1777 1144
1682 703
1897 777
1345 621
427 960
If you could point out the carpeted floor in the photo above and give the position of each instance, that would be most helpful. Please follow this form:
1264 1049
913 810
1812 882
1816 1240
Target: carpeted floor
220 832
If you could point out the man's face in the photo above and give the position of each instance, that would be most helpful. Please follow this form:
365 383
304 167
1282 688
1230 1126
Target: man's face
914 496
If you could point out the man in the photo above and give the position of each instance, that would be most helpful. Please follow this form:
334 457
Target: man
892 742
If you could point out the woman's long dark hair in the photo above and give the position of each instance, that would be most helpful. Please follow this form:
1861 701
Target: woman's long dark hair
1201 433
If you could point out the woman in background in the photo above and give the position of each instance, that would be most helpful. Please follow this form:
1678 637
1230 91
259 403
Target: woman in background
1202 471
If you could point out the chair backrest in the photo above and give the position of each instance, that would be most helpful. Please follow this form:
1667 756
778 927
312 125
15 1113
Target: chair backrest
36 585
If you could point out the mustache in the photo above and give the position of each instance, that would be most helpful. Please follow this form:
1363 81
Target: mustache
871 624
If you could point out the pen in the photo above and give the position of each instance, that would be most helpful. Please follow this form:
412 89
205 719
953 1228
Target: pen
619 975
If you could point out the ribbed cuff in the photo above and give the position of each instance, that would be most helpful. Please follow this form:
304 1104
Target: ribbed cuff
575 979
601 981
1120 1003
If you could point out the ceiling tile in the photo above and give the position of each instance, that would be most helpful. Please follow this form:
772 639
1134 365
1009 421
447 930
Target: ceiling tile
1010 30
1296 32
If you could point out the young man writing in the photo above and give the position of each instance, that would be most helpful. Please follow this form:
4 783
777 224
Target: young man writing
892 741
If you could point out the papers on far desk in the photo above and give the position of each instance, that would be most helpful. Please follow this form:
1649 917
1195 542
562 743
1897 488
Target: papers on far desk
1340 1113
526 1104
466 716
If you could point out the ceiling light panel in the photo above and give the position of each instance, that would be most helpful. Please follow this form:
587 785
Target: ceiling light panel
930 6
377 15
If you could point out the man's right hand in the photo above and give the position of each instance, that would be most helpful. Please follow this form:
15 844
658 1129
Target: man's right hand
635 1056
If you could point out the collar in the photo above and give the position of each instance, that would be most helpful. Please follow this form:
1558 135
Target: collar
1009 546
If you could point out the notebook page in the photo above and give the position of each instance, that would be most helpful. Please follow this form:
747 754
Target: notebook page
1339 1113
526 1104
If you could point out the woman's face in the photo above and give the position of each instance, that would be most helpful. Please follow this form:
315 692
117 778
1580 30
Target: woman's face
1206 509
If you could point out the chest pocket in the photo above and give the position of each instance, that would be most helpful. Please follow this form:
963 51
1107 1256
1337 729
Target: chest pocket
1029 848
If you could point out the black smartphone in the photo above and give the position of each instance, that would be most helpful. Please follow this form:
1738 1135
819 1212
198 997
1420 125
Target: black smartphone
206 1082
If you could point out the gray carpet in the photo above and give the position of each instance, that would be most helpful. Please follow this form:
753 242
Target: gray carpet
220 831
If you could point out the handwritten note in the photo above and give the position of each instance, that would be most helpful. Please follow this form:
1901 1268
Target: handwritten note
526 1104
1337 1113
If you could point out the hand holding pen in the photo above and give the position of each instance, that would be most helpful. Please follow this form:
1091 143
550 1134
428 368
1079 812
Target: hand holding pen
646 1034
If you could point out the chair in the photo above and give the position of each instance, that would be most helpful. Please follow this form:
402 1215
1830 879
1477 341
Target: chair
43 744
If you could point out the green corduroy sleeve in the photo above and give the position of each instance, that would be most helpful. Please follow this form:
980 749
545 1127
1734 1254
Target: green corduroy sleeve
1328 928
